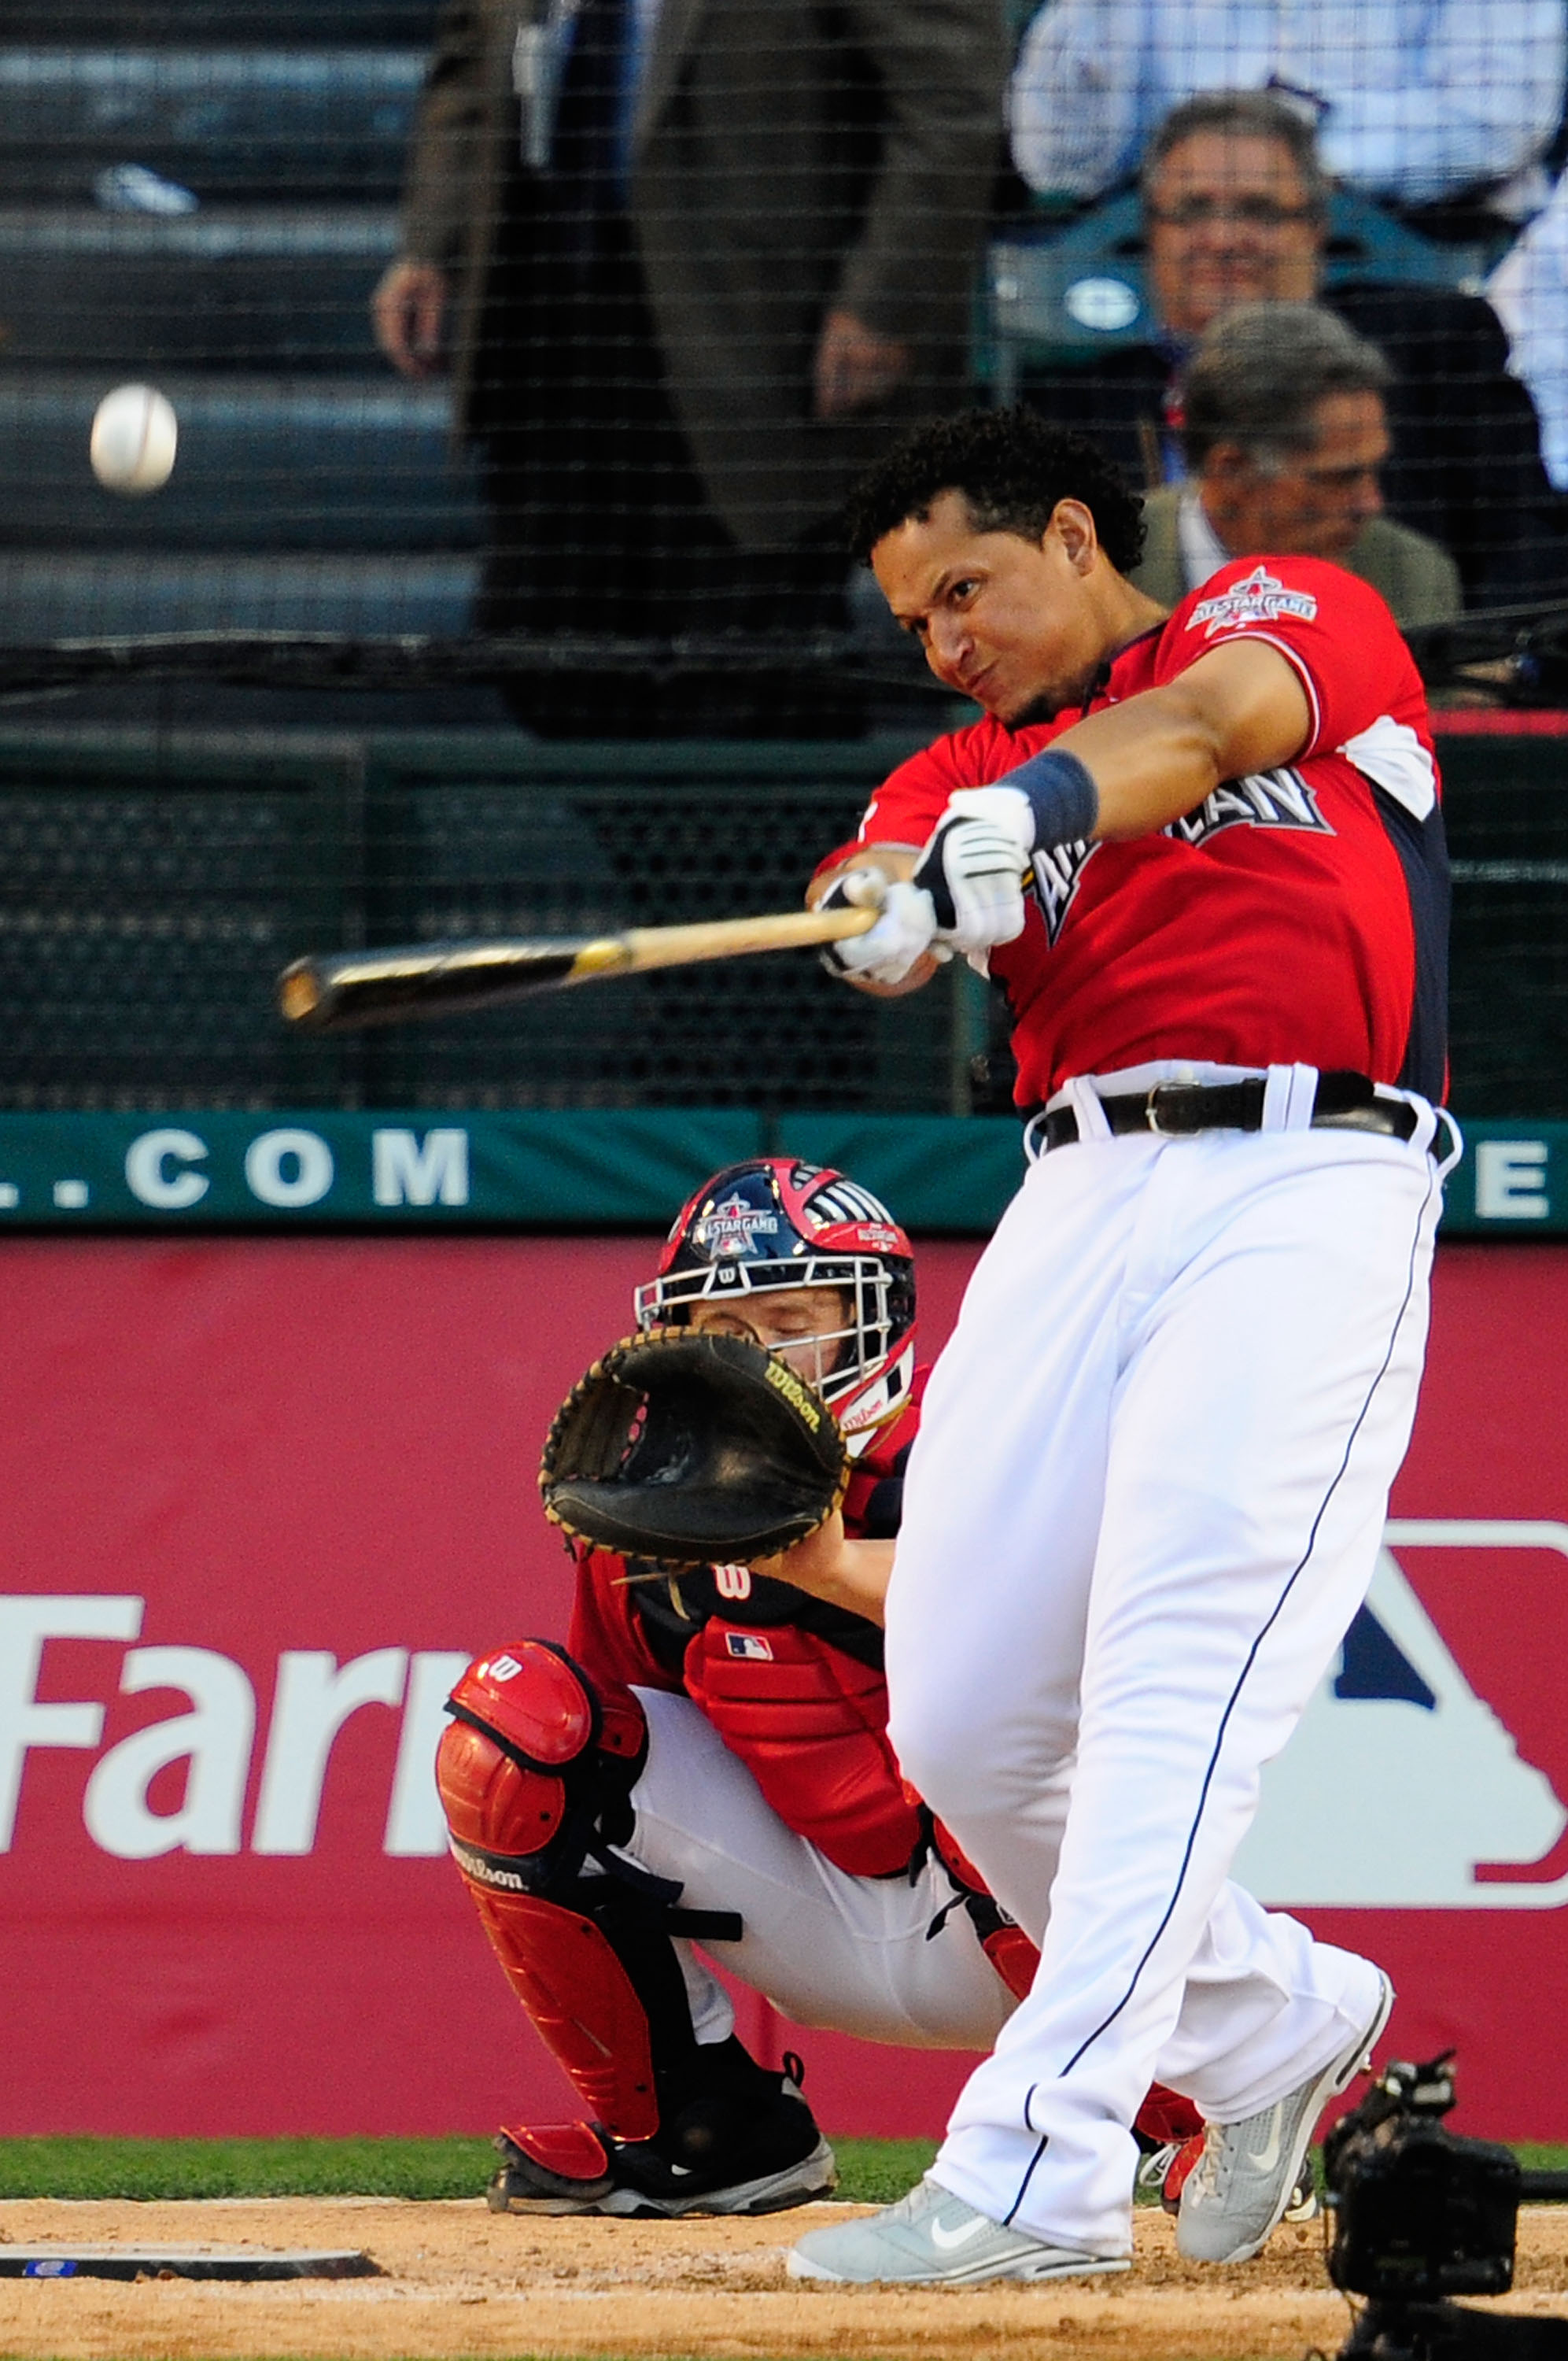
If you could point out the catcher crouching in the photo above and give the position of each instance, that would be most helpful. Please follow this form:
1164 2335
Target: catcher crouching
706 1764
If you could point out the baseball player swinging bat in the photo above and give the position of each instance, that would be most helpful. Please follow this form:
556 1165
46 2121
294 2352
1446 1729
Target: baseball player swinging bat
346 990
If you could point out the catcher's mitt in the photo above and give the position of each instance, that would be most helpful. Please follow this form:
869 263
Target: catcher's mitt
693 1450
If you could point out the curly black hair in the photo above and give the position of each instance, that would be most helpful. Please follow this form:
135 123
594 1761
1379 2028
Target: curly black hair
1012 466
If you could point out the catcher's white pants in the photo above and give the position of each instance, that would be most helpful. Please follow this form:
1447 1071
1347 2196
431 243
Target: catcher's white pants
1144 1504
827 1949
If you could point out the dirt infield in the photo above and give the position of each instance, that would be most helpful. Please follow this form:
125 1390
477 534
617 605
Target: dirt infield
464 2281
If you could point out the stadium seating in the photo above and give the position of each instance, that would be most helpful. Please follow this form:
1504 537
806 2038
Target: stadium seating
313 490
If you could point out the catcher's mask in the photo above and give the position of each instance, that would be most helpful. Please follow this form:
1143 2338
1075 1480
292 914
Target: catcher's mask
773 1221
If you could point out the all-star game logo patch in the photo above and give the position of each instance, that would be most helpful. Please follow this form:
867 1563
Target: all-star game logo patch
732 1224
1260 598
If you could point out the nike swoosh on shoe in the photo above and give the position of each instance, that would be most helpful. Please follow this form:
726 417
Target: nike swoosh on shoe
1237 2192
947 2240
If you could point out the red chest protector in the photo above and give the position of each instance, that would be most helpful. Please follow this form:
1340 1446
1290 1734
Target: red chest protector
810 1724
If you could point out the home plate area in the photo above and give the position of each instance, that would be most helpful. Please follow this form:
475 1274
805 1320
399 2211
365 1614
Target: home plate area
455 2279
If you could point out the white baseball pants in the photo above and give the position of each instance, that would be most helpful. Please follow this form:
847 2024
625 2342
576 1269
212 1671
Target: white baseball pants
827 1949
1144 1505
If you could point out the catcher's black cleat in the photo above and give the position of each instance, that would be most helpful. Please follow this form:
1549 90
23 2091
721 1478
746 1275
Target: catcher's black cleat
745 2142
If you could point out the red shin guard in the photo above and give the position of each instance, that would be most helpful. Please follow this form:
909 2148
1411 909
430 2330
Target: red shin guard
505 1773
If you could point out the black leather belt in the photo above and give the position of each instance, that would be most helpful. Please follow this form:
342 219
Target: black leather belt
1177 1110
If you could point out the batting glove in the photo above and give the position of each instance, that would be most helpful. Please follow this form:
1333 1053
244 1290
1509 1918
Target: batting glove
889 952
974 865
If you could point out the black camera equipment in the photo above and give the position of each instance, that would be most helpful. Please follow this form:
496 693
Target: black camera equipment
1420 2215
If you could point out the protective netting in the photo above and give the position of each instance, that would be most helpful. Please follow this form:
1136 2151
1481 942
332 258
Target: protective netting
571 320
553 314
150 891
151 887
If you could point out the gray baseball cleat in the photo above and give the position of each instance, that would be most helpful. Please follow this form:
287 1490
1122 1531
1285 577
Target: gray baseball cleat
931 2238
1248 2172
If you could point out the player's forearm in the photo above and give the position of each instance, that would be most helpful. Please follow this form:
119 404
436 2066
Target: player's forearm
1243 708
1150 760
827 1564
1125 771
857 1579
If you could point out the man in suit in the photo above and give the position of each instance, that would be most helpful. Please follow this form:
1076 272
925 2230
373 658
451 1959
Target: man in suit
1235 211
1284 434
690 258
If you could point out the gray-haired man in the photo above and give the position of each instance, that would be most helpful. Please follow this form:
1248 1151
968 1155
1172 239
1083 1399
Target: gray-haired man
1284 431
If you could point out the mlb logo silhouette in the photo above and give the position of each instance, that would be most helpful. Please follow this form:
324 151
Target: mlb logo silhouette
1400 1783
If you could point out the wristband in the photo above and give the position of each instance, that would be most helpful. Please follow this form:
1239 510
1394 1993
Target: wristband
1061 794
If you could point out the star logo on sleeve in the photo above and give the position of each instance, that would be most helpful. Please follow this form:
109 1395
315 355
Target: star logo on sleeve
1259 598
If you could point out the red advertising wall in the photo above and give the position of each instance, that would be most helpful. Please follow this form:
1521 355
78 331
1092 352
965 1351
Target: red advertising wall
260 1498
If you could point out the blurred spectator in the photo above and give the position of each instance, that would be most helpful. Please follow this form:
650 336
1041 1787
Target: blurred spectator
1235 207
1422 103
689 266
1284 435
1530 289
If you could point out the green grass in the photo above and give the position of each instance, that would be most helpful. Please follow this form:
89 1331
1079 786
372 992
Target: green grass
875 2172
871 2172
244 2167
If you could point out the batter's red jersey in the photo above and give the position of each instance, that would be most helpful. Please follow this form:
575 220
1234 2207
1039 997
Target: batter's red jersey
1297 917
794 1686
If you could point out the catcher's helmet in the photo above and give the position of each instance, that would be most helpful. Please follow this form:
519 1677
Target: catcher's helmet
773 1221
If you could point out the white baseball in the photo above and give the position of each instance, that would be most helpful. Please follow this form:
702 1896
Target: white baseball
135 432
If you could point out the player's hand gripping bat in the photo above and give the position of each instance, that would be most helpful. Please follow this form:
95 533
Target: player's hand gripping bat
343 990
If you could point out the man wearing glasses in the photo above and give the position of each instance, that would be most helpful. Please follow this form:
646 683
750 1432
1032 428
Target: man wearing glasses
1284 436
1235 210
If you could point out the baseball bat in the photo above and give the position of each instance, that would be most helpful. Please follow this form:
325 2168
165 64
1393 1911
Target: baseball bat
341 991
